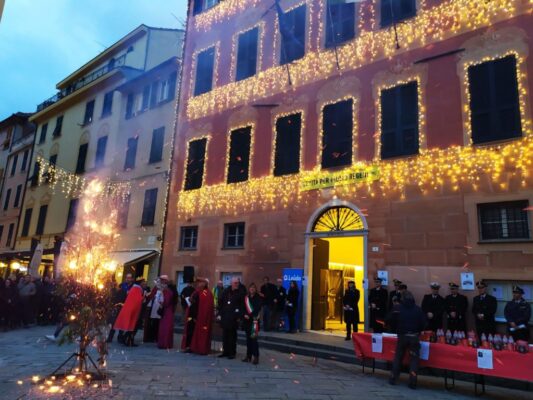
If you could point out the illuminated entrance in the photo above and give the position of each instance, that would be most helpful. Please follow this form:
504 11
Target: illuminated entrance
336 254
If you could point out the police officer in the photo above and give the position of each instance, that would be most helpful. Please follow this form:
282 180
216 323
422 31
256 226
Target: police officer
518 313
350 303
377 298
394 293
455 306
484 310
433 307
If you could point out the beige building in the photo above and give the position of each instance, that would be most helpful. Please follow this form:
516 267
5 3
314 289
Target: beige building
112 118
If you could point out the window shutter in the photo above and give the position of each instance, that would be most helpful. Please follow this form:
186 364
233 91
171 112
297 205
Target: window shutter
156 150
27 220
41 220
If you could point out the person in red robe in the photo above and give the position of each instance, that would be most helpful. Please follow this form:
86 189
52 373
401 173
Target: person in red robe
198 321
165 336
129 315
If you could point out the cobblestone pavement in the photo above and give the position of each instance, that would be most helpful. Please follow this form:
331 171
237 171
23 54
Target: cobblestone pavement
146 372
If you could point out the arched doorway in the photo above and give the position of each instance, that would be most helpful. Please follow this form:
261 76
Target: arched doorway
336 252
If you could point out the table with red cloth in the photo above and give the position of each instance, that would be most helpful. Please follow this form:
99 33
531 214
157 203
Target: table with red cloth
506 364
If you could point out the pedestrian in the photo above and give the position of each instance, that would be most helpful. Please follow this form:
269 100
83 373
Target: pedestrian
350 302
252 312
484 309
201 340
45 304
165 337
433 307
152 316
124 289
517 314
129 315
293 301
230 314
280 296
394 293
10 299
185 297
411 321
391 319
377 298
267 293
455 306
118 297
27 291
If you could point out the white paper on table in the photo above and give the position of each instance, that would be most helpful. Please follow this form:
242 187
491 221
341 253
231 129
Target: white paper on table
484 359
377 343
424 351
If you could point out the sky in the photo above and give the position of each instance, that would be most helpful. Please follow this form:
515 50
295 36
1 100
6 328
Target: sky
43 41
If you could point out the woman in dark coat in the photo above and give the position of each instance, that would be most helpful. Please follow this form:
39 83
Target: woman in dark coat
252 311
350 303
293 297
10 300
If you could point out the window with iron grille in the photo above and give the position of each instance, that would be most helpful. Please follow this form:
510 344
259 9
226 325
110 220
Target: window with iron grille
340 22
188 237
195 164
205 64
234 235
394 11
287 151
247 54
504 221
239 155
337 132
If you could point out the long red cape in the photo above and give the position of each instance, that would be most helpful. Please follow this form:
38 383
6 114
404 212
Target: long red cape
129 314
201 338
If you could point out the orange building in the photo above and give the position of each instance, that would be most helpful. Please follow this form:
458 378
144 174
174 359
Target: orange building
355 138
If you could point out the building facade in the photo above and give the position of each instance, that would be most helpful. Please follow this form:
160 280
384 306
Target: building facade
351 140
102 124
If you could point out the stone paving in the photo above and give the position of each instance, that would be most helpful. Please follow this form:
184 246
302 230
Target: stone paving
146 372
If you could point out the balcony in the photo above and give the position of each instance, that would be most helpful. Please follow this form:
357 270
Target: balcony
86 80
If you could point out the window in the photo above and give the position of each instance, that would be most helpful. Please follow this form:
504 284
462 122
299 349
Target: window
72 212
1 232
50 174
59 125
153 94
25 161
292 28
131 153
14 164
399 121
234 235
202 5
340 22
504 221
189 237
168 88
394 11
10 234
42 138
287 152
6 199
41 220
195 164
150 202
205 64
82 156
17 196
27 220
53 160
494 104
100 152
130 102
156 149
89 112
239 155
108 104
247 54
34 180
337 132
145 98
123 210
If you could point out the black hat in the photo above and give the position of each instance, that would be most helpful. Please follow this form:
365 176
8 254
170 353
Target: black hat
434 285
453 285
518 289
481 284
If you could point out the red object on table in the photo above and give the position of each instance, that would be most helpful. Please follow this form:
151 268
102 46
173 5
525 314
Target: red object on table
506 364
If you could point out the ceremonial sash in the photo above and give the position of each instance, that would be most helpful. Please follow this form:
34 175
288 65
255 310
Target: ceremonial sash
255 323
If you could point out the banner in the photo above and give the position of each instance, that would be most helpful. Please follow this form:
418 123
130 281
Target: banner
33 268
325 180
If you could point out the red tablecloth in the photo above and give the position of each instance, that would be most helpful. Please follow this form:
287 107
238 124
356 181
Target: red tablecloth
506 364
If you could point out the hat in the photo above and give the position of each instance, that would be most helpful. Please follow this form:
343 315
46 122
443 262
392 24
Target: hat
434 285
378 280
200 279
453 285
518 289
481 284
402 286
164 277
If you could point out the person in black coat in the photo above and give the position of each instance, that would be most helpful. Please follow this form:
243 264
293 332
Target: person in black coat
280 297
230 310
433 307
484 309
350 302
377 298
293 299
394 293
10 299
455 306
518 313
267 294
250 324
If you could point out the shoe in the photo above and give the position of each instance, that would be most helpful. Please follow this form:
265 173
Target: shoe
412 386
346 338
255 361
222 355
246 359
52 338
392 381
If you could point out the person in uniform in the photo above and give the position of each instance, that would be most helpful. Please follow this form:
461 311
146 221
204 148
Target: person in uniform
433 307
350 302
394 293
230 312
518 313
455 306
377 298
484 309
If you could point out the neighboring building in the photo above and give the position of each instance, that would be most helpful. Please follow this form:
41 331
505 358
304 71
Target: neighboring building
401 142
85 129
16 140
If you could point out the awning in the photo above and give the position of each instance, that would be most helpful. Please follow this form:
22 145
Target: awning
132 257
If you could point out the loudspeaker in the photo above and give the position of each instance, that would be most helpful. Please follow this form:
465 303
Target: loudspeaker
188 274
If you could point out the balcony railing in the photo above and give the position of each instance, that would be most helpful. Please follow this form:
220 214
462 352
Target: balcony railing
86 80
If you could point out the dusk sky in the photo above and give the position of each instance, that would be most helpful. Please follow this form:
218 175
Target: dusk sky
43 41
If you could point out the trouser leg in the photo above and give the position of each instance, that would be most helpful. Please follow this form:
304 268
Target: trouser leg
398 357
190 332
255 348
233 341
414 356
111 335
225 341
249 346
348 329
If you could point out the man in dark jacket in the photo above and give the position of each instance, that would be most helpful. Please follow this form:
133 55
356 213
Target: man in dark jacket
411 321
230 311
267 294
377 298
280 297
394 293
350 301
433 307
518 313
455 306
484 309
